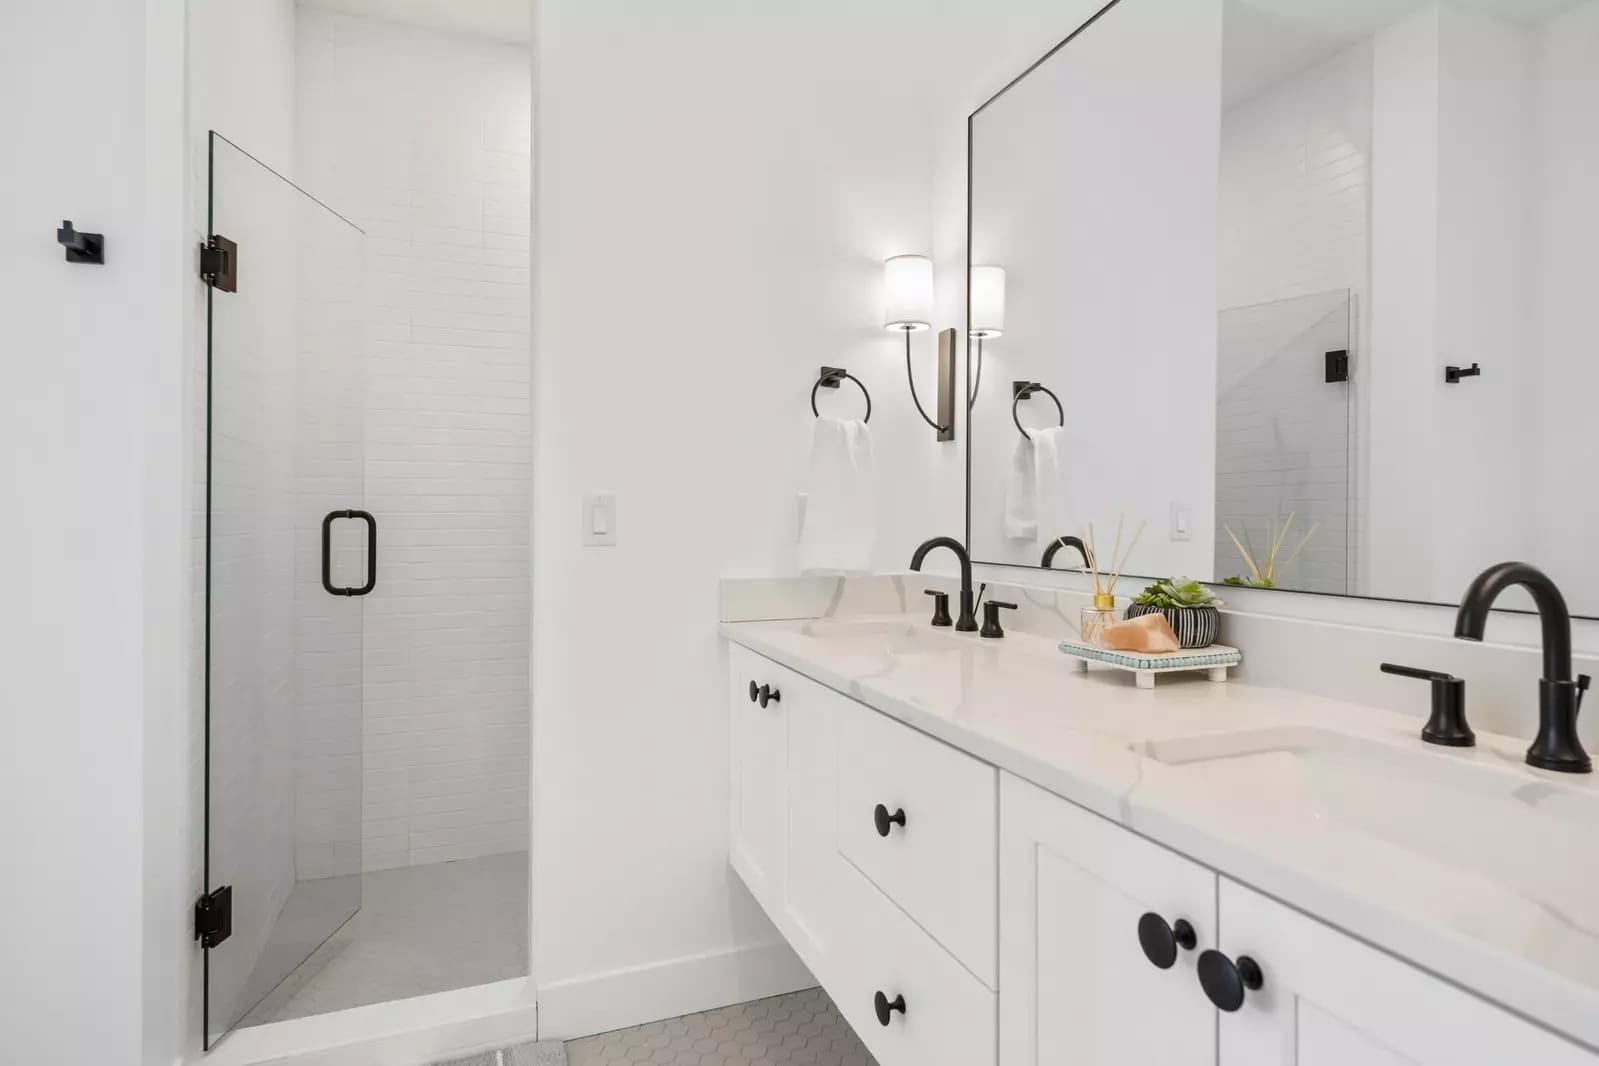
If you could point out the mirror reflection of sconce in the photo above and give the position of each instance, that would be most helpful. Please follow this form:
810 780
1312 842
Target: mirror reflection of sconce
988 314
907 309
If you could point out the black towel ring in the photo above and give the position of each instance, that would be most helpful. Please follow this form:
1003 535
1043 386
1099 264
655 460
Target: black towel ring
1024 389
829 379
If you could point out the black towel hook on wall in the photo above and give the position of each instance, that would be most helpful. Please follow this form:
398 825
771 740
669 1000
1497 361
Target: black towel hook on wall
829 379
81 247
1022 390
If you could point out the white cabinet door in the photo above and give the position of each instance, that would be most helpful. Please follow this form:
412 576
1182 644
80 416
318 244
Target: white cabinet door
757 839
1327 999
1075 984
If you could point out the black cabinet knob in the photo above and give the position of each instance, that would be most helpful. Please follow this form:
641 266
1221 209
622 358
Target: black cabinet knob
1161 941
884 820
1225 982
768 694
886 1007
754 692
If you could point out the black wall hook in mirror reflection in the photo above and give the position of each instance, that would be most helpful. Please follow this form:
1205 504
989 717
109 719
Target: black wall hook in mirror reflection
81 247
829 378
1453 374
1022 390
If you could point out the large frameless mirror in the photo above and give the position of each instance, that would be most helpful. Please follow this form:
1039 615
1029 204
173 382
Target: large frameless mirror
1300 288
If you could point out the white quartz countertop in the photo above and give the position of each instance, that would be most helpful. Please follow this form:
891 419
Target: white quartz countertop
1464 862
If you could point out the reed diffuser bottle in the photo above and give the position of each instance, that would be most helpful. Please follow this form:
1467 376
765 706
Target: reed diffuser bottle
1094 618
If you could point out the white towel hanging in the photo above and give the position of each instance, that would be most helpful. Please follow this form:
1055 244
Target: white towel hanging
839 531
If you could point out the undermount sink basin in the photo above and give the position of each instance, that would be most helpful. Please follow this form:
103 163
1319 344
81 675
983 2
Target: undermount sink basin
884 638
1532 835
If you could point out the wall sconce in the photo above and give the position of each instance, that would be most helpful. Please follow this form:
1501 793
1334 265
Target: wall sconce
907 309
987 314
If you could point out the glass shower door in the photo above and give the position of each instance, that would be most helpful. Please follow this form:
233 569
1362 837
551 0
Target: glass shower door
1284 441
289 554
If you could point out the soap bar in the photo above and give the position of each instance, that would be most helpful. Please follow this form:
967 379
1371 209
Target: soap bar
1148 632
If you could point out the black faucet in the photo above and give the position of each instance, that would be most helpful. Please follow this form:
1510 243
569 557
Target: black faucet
1064 542
1556 746
967 622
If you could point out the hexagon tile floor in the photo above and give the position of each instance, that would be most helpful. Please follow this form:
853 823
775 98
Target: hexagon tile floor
799 1028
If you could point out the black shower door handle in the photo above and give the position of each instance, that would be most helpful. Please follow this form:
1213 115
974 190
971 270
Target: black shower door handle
371 553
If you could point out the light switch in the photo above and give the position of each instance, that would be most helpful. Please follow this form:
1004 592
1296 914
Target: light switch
1181 520
599 520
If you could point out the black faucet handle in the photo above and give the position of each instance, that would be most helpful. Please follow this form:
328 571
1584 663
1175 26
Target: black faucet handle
991 626
1417 672
1447 723
940 607
1583 681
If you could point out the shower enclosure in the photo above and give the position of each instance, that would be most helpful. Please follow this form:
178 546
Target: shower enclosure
289 554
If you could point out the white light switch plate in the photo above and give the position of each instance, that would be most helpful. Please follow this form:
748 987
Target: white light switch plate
599 520
1182 521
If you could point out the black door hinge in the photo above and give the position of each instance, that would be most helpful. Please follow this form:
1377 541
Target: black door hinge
219 263
213 916
1337 366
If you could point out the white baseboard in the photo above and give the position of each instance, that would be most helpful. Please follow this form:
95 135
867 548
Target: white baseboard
402 1032
623 998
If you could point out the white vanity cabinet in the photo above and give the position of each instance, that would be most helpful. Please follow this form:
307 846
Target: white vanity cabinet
1077 987
961 916
879 918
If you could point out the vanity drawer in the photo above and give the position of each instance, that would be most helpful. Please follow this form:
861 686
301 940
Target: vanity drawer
941 864
950 1018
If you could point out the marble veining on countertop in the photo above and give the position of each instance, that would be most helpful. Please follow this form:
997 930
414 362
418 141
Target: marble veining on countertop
1517 923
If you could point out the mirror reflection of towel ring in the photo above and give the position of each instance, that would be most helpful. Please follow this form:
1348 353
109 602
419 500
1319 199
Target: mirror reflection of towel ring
1025 389
829 379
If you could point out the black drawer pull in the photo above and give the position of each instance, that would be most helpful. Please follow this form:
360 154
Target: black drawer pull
1161 941
1225 982
884 820
886 1007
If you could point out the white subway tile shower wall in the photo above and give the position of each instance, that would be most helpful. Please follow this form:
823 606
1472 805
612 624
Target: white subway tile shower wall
1294 205
423 138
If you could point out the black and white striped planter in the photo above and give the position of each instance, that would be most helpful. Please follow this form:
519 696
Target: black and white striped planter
1195 626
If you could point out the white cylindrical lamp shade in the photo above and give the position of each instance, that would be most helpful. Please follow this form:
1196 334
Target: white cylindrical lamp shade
988 301
907 292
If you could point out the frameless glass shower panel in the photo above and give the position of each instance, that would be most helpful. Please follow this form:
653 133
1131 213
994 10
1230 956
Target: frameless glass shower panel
288 552
1283 453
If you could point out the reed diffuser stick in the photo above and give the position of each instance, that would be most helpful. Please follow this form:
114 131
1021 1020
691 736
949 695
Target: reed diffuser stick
1119 564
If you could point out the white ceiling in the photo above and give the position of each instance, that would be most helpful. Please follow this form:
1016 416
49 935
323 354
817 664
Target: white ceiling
502 20
1266 40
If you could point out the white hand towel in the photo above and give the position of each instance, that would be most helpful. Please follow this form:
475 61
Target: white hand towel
1021 492
840 527
1049 480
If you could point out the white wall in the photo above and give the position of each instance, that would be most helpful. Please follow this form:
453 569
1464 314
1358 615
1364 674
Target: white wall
718 183
1111 274
1452 252
422 138
91 424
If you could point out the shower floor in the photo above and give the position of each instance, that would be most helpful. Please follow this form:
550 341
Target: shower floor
421 929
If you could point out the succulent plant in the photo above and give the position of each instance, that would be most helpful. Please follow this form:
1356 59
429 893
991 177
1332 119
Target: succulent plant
1176 592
